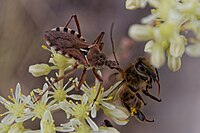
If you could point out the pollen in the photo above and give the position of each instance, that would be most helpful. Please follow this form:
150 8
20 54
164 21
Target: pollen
40 109
44 47
110 97
133 111
59 95
17 109
80 111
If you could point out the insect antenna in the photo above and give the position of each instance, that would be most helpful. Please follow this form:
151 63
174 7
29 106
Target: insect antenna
113 46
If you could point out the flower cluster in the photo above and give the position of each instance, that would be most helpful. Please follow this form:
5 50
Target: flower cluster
80 109
171 25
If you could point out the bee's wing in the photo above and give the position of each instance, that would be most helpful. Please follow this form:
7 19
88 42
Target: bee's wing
115 77
123 89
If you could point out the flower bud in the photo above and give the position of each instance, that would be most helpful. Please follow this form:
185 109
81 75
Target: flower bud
38 70
134 4
62 62
148 47
193 50
141 32
174 64
157 56
177 46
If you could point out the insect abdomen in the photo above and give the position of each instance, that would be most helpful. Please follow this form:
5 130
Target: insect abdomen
70 31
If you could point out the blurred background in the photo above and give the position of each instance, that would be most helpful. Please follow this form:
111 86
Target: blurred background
22 26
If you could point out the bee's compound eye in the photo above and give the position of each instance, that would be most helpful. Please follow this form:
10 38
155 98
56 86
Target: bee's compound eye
140 68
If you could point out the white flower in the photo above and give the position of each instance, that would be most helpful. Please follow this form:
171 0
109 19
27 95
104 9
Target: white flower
60 94
17 110
16 128
39 70
134 4
76 126
106 130
169 22
42 105
80 111
47 123
103 101
4 128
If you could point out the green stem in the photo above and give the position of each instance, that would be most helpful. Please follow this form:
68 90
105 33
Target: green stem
61 82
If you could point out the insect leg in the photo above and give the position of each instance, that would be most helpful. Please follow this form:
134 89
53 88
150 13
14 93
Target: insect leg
141 116
67 74
58 79
83 76
151 96
76 21
98 41
107 123
117 87
140 98
158 87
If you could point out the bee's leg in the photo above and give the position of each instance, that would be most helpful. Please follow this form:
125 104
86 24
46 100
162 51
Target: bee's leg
127 105
157 82
56 80
151 96
107 123
82 79
141 116
149 84
100 80
116 88
138 104
157 75
140 98
76 21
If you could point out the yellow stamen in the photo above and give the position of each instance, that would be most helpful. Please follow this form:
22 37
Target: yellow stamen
32 93
11 90
44 47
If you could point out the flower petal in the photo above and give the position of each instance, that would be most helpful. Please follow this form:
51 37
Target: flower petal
9 119
17 92
108 105
193 50
92 124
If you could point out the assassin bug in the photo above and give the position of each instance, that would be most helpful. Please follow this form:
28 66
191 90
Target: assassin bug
71 44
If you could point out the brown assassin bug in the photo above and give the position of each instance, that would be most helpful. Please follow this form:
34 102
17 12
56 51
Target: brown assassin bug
71 44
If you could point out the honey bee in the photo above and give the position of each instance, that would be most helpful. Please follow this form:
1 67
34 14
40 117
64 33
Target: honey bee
136 79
